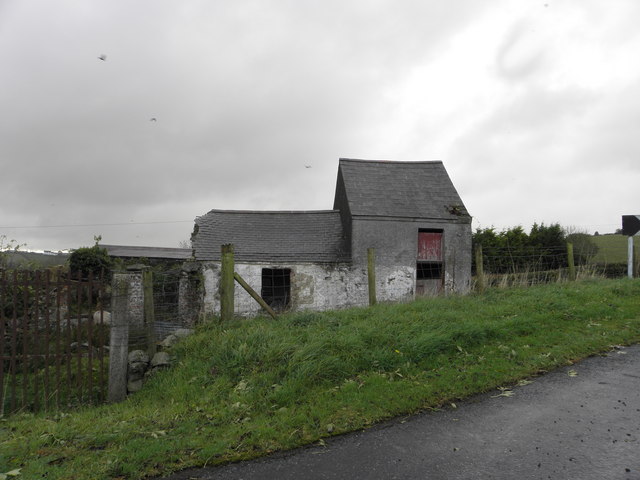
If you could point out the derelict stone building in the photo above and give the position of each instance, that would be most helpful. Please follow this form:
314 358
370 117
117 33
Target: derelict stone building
409 212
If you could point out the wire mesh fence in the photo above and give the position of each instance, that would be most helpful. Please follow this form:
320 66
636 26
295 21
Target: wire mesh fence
159 303
166 303
519 266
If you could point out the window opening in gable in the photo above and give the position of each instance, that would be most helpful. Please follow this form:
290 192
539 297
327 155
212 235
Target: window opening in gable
276 287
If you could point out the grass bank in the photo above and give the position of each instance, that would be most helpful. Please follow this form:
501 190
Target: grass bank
256 386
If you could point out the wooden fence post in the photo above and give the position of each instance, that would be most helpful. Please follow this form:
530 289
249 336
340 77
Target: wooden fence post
480 283
371 274
148 311
226 282
119 341
255 295
572 266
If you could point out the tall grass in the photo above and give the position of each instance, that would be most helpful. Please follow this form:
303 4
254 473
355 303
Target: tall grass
251 387
530 276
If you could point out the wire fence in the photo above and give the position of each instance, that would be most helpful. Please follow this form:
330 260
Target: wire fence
509 260
55 326
519 266
159 303
166 303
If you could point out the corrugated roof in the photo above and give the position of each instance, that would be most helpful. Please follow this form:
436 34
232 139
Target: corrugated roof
283 236
401 189
130 251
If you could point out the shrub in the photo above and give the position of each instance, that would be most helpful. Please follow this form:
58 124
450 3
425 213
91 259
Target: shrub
87 260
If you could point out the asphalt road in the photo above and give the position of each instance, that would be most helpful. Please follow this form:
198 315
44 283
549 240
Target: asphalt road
578 422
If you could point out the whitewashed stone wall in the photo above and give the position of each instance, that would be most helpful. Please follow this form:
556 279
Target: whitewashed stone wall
315 287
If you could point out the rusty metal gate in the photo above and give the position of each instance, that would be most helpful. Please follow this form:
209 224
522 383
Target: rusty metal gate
54 334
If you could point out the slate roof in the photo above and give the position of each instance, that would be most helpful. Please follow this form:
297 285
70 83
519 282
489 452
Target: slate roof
262 236
401 189
128 251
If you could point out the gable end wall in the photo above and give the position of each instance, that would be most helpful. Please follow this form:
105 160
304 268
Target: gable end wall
396 244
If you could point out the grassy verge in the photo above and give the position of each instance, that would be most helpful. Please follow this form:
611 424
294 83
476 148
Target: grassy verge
256 386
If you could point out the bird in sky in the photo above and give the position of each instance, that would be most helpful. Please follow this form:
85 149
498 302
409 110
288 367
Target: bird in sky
103 57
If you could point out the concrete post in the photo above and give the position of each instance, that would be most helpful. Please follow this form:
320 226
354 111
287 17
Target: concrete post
119 341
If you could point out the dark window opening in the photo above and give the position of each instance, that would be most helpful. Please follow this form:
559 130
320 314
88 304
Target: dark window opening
429 270
276 287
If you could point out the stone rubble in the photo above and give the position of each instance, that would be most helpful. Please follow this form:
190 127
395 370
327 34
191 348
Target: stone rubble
141 367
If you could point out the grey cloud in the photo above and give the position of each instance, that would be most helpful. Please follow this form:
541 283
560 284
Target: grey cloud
245 94
513 61
611 140
538 158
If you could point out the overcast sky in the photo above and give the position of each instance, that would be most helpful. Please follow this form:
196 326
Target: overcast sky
533 106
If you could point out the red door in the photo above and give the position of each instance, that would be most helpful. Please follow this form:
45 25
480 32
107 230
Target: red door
429 268
430 246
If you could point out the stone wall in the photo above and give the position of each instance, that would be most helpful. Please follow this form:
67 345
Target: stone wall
133 346
315 287
135 300
128 328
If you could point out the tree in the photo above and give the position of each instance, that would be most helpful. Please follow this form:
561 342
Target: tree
552 236
513 250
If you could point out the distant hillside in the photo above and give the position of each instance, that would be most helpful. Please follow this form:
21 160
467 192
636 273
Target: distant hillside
35 259
613 248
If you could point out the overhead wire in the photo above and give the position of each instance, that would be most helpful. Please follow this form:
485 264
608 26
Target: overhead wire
96 224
